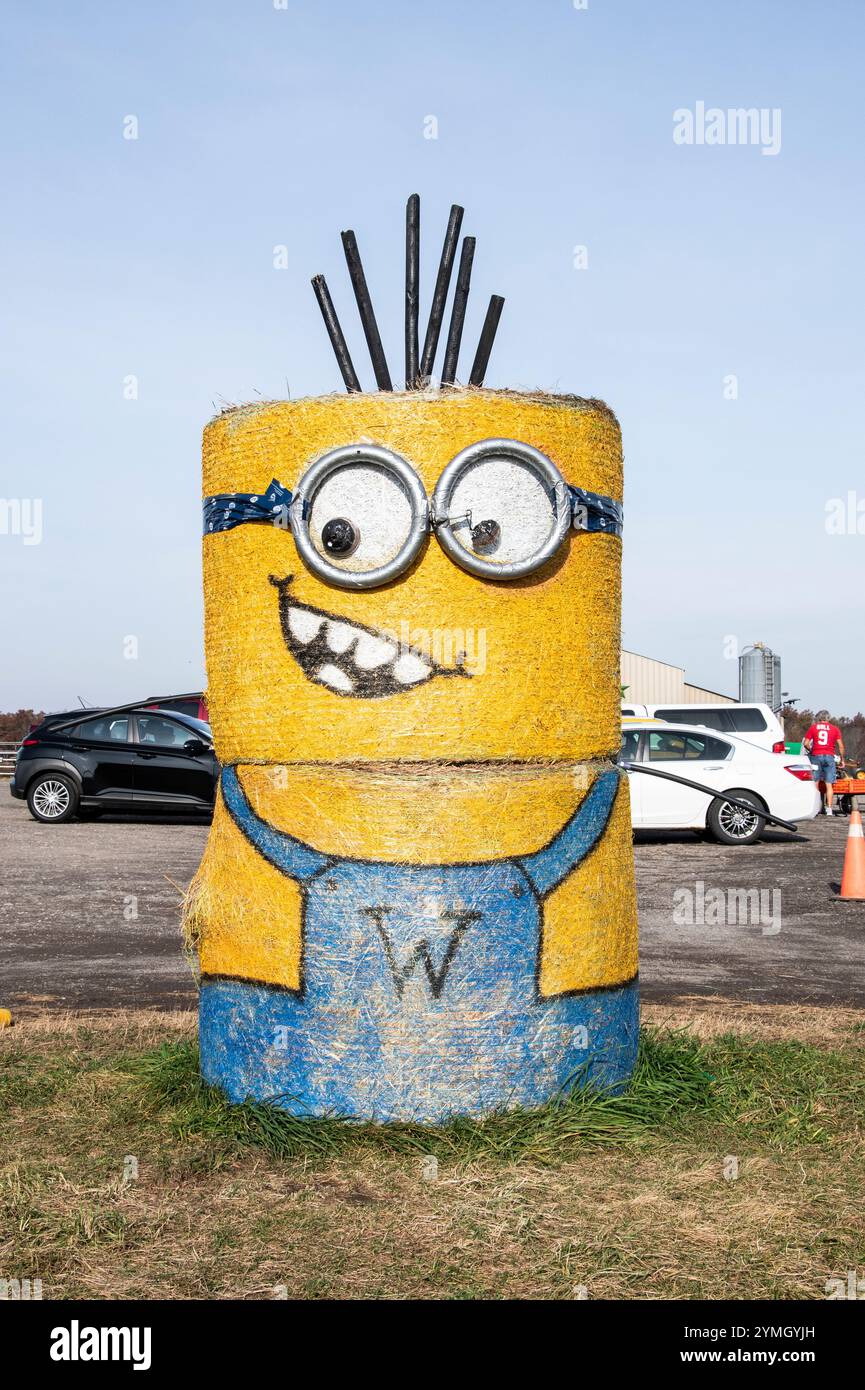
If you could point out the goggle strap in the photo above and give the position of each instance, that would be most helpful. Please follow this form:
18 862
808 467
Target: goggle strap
590 511
230 509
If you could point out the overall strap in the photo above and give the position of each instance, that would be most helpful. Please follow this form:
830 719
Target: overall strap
548 867
292 857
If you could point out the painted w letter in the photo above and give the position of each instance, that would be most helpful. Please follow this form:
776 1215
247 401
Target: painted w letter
420 953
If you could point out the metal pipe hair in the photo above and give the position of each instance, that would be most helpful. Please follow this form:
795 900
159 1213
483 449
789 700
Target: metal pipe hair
335 333
418 364
458 312
412 290
440 293
485 342
365 309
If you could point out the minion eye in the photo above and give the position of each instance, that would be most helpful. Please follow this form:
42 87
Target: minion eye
339 537
506 508
359 516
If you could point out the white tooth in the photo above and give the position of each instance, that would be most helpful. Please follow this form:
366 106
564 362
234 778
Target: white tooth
340 636
372 651
410 668
303 624
332 676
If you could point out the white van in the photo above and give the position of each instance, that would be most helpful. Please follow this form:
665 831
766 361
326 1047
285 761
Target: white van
755 723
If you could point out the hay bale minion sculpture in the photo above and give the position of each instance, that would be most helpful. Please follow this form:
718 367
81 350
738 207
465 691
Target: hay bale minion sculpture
417 899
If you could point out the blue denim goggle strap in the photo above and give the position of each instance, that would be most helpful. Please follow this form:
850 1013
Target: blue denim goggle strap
592 512
232 509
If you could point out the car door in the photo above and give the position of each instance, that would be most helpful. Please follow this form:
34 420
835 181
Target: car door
102 751
166 770
630 753
685 753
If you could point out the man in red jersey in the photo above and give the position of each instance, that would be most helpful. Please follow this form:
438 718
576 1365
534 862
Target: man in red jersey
820 742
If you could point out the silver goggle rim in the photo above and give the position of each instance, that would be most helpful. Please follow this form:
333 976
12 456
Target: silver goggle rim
304 496
441 504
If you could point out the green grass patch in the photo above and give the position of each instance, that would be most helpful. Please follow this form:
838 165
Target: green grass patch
781 1091
774 1092
672 1083
26 1087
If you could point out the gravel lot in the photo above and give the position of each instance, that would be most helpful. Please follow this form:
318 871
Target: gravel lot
89 915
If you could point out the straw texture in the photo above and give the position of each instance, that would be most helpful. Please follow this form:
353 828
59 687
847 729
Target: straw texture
427 896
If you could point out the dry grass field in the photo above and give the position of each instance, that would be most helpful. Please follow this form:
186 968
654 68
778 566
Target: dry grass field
733 1168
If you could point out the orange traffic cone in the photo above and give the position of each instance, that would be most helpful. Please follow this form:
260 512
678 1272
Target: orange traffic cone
853 878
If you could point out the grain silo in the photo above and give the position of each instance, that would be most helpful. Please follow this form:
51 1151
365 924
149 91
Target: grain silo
760 677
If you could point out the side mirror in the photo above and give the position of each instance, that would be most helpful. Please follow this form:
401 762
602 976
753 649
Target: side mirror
195 747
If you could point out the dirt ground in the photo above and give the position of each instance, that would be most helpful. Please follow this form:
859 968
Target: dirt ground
89 915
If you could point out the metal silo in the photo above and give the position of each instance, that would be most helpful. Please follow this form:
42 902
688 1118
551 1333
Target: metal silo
760 677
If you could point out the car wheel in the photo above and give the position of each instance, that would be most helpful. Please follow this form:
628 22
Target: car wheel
732 825
52 798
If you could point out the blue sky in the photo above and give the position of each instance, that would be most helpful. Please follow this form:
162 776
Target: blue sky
260 127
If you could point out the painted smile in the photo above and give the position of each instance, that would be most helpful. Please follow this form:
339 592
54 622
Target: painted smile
349 658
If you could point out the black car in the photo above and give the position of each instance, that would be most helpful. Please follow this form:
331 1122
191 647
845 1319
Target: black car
126 759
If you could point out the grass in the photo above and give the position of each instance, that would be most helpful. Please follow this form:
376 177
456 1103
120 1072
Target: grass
629 1196
671 1083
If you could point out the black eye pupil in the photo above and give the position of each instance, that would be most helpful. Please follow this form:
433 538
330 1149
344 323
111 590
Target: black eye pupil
485 534
338 536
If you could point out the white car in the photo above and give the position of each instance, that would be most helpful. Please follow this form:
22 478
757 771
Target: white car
756 723
781 785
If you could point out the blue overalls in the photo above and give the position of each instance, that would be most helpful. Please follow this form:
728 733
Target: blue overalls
419 996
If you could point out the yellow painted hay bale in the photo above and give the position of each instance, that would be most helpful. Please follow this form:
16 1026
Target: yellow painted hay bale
550 643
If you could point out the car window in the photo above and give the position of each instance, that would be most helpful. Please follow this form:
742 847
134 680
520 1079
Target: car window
711 718
183 707
110 729
672 747
747 721
627 712
162 733
630 743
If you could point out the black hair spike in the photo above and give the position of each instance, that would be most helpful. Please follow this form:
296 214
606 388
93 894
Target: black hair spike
418 365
